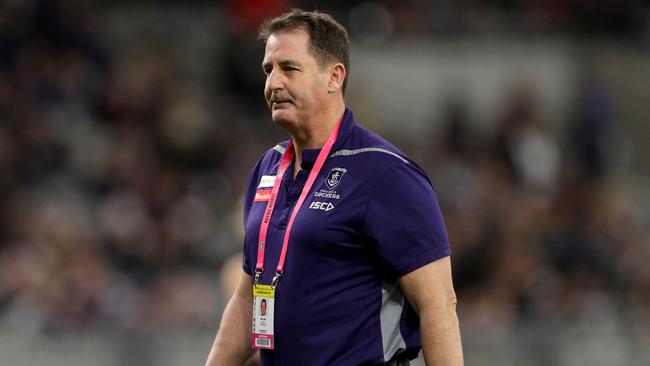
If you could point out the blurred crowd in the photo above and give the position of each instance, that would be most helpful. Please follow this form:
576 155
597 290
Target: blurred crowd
541 231
120 186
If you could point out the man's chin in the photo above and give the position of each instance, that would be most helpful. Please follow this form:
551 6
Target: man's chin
282 117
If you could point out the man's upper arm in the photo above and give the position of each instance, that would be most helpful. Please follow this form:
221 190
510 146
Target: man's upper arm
430 287
245 287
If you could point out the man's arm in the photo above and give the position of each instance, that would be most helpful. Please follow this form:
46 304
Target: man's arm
232 344
431 292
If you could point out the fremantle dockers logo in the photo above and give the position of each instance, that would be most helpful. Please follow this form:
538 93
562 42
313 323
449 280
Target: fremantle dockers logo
334 177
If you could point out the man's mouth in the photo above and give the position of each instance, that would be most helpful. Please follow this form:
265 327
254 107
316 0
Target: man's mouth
280 104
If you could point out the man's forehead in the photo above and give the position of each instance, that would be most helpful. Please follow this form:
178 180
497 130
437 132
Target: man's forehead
294 32
288 40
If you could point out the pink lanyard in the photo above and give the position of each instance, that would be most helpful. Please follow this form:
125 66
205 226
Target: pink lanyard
266 219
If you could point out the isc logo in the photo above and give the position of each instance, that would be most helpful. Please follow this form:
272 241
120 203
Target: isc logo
325 206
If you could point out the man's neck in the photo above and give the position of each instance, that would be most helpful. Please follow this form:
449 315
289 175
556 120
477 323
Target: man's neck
315 133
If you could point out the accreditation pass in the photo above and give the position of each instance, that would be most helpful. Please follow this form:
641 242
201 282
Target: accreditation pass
263 306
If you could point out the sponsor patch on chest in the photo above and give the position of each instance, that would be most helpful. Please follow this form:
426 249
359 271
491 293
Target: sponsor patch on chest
322 206
262 195
264 188
267 181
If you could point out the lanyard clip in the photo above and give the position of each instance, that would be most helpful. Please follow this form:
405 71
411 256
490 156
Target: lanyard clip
258 276
276 278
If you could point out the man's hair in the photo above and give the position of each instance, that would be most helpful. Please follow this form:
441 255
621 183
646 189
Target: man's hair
328 40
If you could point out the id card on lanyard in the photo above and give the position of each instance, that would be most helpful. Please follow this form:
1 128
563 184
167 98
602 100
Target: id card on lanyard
264 295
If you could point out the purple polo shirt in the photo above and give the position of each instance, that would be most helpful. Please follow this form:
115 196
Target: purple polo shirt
370 217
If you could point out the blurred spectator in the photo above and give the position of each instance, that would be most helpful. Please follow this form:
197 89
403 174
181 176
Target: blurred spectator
593 131
529 152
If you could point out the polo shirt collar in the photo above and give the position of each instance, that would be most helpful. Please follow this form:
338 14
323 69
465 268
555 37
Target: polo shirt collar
309 157
346 128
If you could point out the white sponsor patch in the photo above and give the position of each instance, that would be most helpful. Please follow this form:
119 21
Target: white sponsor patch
323 206
267 181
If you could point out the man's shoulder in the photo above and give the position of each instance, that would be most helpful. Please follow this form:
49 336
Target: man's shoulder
267 163
376 154
274 153
367 147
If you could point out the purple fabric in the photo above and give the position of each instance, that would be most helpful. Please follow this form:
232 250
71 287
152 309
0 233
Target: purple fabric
370 217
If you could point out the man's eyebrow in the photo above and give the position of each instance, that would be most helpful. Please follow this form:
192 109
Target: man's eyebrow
289 63
284 63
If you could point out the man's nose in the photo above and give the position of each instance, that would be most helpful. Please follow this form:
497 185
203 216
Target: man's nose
275 81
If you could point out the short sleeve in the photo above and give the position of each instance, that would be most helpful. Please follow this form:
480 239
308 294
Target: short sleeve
404 221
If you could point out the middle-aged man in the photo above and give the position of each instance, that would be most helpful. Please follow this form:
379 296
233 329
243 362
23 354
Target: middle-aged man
344 236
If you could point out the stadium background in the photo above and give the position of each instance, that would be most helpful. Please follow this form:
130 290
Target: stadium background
127 132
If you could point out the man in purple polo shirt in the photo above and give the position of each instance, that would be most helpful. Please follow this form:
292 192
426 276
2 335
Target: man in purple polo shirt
345 242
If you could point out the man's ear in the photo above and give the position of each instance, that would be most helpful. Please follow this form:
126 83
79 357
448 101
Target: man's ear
337 76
